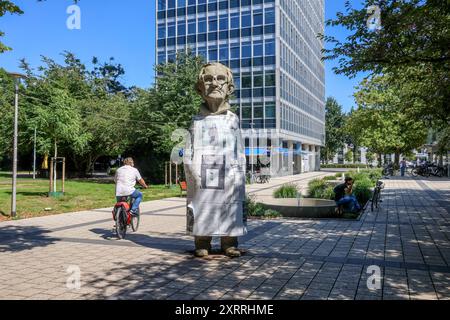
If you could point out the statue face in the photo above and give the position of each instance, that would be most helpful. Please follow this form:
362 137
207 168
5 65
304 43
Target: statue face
215 86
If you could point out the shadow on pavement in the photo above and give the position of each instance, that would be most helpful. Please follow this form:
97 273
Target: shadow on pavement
175 245
18 238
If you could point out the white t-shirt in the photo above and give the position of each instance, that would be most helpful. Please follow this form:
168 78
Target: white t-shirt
125 179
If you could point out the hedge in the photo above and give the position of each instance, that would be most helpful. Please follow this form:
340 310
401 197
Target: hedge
348 165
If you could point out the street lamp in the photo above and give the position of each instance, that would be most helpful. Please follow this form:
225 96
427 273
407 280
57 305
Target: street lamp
17 77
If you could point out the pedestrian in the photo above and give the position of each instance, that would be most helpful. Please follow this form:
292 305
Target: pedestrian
343 195
403 167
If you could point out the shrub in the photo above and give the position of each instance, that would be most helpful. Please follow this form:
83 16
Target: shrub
372 175
329 178
269 213
362 190
375 174
288 190
328 193
316 187
251 207
255 209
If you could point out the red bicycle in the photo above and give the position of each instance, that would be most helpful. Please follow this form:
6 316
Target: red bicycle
123 218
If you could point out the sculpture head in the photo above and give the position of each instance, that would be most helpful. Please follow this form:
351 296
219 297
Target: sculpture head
215 85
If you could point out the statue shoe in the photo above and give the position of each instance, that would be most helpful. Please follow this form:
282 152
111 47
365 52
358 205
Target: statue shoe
232 252
201 253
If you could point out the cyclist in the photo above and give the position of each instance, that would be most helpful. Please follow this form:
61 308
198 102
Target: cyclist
125 179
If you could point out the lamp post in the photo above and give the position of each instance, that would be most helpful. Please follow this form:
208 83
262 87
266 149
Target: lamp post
17 77
34 155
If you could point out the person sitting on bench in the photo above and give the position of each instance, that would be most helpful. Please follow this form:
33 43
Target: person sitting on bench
343 196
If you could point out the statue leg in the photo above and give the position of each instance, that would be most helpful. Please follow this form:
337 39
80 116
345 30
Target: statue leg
229 246
202 246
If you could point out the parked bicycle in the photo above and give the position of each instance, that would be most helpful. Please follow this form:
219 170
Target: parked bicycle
422 170
376 197
437 170
388 170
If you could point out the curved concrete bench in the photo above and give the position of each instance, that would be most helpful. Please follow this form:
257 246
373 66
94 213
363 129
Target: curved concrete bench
308 208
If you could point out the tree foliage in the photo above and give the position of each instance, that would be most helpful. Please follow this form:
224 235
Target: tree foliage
169 105
411 47
76 108
379 122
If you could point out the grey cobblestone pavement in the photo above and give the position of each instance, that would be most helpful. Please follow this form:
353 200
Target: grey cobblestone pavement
407 239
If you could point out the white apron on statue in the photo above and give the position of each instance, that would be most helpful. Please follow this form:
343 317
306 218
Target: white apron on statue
214 162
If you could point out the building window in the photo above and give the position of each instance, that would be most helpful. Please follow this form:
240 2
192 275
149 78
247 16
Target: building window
270 47
161 32
223 22
161 5
234 3
171 29
246 80
234 21
258 79
270 110
223 53
246 20
181 29
212 24
246 50
257 48
191 27
257 18
234 52
269 16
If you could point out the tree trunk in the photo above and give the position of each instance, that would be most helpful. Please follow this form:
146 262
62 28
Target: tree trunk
379 160
397 158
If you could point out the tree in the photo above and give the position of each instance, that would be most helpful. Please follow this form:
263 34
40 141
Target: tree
334 134
349 156
167 106
379 123
86 111
370 157
7 111
411 46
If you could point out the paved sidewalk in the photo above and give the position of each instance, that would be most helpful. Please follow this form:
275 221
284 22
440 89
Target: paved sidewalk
408 239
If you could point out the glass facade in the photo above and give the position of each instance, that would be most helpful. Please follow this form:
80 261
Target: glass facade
268 44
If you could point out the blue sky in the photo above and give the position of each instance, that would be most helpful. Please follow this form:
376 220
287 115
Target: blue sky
119 29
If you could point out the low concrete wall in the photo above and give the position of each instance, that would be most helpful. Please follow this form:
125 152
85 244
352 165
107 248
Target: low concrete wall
308 208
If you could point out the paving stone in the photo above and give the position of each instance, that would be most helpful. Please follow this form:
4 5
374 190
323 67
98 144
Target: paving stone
285 259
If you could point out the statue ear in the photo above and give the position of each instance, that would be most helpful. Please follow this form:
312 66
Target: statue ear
230 89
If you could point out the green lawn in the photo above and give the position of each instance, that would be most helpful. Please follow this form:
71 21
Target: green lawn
79 195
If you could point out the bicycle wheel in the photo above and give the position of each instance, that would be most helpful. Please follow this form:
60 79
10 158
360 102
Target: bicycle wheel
135 219
121 223
374 198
